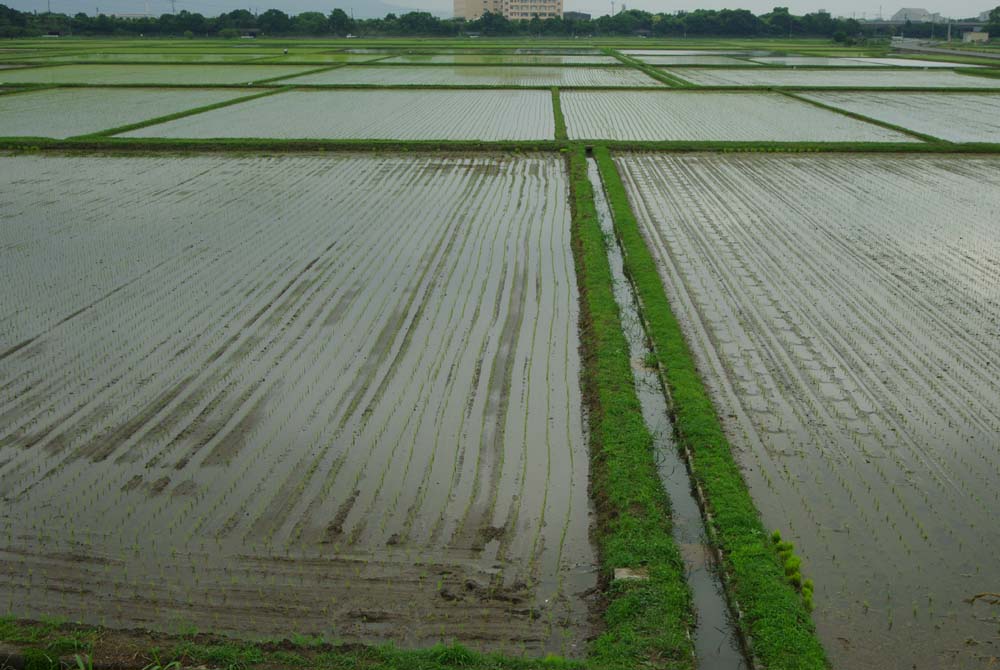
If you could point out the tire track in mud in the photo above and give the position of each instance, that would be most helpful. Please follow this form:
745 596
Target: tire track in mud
828 302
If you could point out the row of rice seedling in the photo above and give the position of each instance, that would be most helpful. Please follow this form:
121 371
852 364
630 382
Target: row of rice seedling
238 382
954 117
421 114
703 115
837 308
482 116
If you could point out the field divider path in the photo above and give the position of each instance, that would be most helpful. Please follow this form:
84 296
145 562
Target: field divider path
557 113
979 72
659 75
647 621
775 620
26 88
717 640
867 119
325 68
177 115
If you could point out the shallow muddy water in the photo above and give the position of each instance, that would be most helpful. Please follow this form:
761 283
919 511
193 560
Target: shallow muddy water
258 395
77 111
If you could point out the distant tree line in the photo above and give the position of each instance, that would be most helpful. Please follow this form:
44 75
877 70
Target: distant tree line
779 22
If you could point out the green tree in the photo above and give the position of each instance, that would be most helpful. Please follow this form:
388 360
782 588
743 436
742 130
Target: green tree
311 23
340 23
994 26
274 22
238 18
492 24
779 21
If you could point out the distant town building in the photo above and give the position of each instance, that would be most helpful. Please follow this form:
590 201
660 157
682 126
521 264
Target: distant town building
576 16
513 10
984 16
916 15
975 37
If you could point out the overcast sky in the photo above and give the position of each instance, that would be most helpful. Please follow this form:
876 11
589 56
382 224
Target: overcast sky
369 8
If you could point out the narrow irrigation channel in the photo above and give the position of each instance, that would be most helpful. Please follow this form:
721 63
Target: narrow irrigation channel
715 638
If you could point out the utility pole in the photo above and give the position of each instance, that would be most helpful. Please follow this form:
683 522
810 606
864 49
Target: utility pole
173 7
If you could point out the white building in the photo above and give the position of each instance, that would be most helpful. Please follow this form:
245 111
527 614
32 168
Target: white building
513 10
916 15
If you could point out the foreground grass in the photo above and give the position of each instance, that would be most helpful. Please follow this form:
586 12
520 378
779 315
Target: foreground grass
52 644
647 622
775 617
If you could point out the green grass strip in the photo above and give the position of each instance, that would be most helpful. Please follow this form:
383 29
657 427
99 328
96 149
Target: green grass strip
560 120
774 619
178 115
646 622
41 645
979 72
317 70
648 70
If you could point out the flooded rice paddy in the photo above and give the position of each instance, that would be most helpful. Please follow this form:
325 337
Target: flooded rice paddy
261 395
843 78
505 59
844 314
361 114
713 116
67 112
954 117
148 74
442 75
693 60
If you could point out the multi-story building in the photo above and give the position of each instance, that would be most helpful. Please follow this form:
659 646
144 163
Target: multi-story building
513 10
